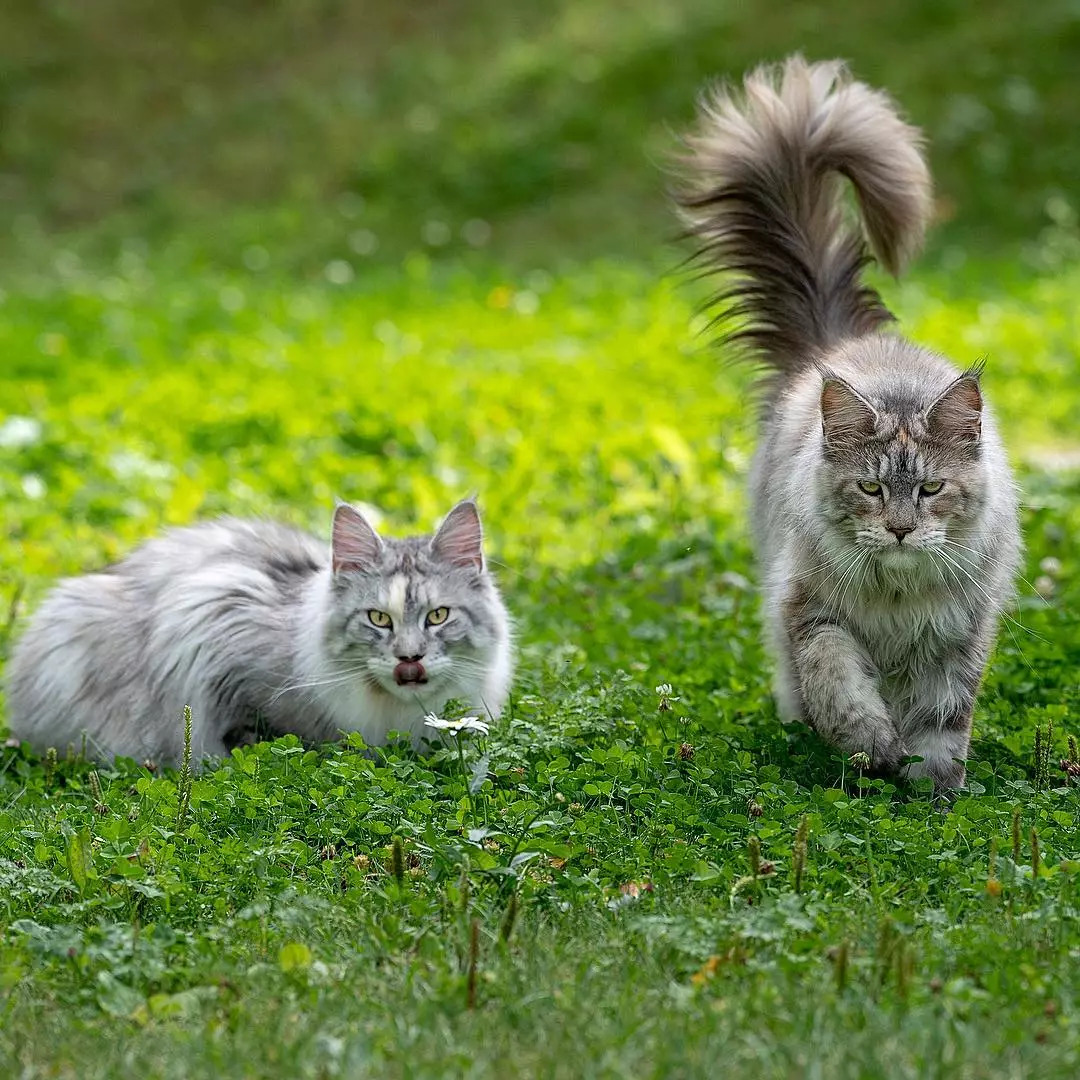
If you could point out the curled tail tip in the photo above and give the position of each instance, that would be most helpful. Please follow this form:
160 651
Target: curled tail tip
815 119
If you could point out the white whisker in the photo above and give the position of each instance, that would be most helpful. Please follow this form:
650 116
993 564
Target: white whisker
984 559
333 680
1009 621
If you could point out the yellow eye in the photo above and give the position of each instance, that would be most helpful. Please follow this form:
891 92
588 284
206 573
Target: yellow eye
932 488
868 487
437 616
380 619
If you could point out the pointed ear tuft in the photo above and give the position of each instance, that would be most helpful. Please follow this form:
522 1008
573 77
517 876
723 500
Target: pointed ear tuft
846 416
460 539
354 544
956 416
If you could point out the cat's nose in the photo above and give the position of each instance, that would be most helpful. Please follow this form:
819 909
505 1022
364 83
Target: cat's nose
411 659
899 532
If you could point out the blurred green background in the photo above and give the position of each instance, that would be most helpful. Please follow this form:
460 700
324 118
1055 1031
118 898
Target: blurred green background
288 135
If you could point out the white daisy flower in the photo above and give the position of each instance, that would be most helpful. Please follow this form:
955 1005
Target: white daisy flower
470 725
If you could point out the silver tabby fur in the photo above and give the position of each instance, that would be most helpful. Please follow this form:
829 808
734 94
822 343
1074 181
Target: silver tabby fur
259 627
882 604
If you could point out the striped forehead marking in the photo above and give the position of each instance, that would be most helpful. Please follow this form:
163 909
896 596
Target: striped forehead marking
900 460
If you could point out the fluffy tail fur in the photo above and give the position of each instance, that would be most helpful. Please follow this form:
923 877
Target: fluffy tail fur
765 198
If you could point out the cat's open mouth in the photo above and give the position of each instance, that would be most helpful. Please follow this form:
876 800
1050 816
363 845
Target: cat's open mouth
410 671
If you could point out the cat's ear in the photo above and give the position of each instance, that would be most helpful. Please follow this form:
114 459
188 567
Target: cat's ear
956 416
460 539
354 544
846 416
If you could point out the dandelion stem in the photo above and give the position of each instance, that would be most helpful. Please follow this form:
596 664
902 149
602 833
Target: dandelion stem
798 855
397 861
510 918
474 958
50 766
840 965
183 784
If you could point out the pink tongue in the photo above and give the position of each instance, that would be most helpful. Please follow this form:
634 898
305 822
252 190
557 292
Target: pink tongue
409 671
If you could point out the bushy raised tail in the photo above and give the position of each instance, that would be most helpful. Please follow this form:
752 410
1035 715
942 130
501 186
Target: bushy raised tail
764 195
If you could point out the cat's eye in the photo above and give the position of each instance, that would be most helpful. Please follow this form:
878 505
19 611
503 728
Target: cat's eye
932 487
380 619
438 615
868 487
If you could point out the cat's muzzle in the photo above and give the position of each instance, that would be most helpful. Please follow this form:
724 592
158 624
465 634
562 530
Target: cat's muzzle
409 671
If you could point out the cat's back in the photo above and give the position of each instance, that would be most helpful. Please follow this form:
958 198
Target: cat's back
222 552
228 545
114 636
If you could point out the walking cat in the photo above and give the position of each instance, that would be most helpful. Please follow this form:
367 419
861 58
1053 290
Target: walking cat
257 625
884 511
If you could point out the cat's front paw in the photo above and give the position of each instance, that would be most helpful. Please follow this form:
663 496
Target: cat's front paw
880 767
947 776
872 743
875 748
941 755
888 753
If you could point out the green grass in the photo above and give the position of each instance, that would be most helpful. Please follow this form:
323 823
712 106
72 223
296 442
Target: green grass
176 348
263 934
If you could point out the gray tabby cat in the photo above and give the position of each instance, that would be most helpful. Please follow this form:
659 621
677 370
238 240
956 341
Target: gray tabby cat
884 511
256 625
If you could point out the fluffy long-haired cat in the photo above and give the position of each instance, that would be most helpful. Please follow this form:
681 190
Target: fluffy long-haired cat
884 511
257 626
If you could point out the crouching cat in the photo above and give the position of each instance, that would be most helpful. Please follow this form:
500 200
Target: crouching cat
257 626
884 511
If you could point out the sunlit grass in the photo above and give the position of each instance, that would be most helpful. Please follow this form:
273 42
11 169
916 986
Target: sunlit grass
609 447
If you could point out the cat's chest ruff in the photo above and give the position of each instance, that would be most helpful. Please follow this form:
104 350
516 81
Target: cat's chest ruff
374 712
908 632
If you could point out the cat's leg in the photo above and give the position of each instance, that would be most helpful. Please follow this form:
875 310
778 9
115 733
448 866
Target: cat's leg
789 704
937 724
838 689
943 752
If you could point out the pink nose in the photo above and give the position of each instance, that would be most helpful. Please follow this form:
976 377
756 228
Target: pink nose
410 671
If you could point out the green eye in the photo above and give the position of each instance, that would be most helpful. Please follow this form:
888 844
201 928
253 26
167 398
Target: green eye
439 615
868 487
380 619
932 488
